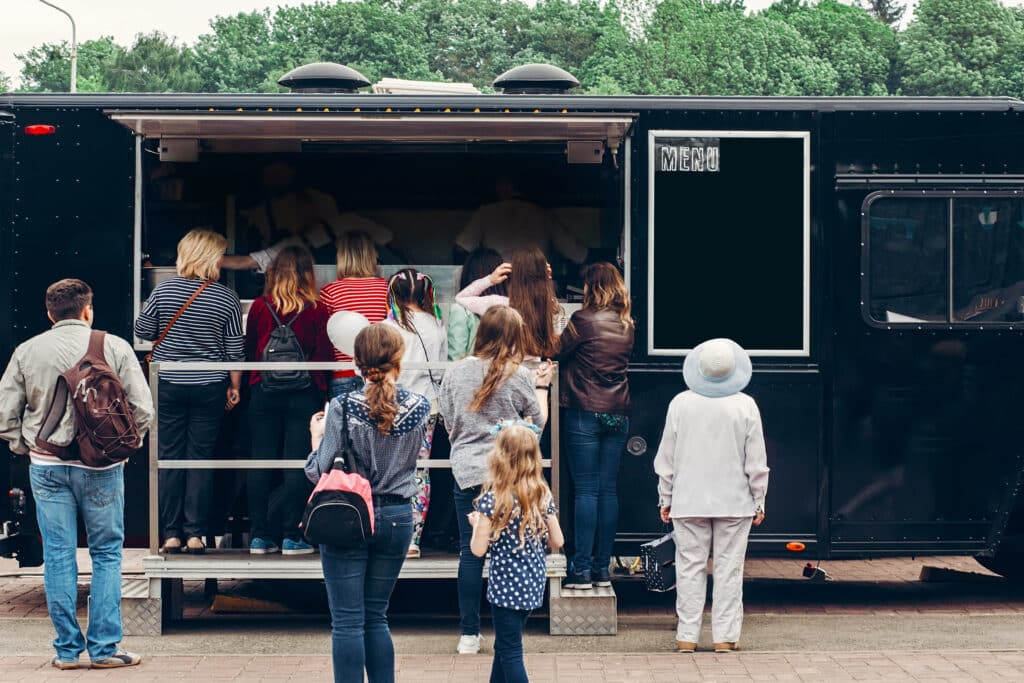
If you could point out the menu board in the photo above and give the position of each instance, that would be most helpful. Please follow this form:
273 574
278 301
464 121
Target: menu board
729 231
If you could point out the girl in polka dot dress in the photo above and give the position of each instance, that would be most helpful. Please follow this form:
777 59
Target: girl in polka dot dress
514 518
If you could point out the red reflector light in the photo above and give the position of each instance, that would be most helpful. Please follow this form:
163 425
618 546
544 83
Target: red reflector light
40 129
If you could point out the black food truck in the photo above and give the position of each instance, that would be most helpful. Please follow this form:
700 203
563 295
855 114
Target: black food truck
868 252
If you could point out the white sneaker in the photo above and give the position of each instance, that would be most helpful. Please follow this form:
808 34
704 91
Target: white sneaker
469 645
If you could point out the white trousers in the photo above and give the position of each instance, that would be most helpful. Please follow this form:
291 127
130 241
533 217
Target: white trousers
695 538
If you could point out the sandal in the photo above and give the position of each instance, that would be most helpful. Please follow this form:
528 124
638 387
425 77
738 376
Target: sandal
413 552
195 546
171 546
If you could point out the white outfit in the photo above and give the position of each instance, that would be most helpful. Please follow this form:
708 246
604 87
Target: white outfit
713 474
509 224
712 461
433 348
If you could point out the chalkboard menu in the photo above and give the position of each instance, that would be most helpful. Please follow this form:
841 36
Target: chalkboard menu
729 235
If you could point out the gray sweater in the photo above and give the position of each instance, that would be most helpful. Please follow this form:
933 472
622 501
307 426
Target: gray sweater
470 432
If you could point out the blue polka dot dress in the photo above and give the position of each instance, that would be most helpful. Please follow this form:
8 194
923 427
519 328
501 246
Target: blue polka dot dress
517 574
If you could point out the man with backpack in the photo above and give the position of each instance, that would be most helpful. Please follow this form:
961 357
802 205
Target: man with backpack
103 408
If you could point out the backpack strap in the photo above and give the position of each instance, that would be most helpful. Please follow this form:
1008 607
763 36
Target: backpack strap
174 318
95 350
277 320
54 415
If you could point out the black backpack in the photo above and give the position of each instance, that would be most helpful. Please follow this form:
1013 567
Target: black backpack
283 347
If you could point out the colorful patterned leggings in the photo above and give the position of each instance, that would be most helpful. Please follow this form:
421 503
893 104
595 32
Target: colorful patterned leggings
421 501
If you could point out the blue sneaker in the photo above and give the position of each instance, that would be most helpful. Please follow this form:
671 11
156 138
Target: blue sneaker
291 547
262 546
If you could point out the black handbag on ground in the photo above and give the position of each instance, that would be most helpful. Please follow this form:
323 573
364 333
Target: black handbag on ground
658 559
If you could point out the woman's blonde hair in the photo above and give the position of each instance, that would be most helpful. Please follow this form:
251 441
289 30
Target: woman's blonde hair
357 255
378 351
199 254
291 280
516 478
499 339
603 288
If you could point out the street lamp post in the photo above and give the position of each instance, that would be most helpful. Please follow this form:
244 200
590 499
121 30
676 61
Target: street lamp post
74 45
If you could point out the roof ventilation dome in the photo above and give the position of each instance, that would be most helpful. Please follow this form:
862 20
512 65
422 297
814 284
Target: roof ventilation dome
536 79
323 77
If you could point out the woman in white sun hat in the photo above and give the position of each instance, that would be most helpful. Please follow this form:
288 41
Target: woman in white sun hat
713 477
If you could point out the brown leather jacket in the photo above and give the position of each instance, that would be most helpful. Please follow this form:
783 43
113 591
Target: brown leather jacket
594 358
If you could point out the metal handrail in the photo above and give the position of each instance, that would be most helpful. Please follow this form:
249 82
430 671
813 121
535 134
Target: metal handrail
155 464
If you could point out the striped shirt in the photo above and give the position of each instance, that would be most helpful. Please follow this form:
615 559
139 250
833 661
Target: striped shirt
209 330
365 295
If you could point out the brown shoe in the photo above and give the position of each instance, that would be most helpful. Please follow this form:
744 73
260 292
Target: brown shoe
685 647
726 647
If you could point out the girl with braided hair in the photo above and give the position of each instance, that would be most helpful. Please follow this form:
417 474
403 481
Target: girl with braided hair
386 425
477 392
413 311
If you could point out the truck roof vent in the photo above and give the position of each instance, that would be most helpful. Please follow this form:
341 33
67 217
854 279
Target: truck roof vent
323 77
536 79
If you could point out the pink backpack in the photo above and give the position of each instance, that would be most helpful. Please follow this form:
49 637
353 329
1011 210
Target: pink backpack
340 510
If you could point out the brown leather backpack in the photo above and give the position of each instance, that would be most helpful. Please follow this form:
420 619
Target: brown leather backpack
105 429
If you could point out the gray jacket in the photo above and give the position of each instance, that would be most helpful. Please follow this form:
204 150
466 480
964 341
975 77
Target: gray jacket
26 389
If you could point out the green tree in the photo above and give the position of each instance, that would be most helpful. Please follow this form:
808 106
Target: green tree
963 47
619 61
563 33
238 55
5 82
154 63
471 40
47 68
714 49
372 36
889 12
860 49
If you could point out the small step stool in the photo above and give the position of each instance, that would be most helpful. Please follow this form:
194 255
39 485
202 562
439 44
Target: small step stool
583 612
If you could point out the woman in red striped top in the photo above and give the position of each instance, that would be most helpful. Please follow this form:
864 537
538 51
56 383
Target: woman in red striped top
357 289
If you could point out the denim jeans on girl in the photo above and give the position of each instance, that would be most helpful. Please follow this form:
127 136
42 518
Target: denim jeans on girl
359 585
508 666
62 494
594 453
471 567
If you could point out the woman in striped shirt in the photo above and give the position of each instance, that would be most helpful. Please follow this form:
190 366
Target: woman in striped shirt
357 289
192 402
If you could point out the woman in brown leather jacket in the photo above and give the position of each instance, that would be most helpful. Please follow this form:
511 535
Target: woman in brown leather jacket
594 356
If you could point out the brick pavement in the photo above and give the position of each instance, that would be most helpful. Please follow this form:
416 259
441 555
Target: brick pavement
568 668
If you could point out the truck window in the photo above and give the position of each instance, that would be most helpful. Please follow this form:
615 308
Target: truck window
944 258
907 244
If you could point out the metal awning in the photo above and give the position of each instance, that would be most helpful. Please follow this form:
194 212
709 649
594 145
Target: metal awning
379 127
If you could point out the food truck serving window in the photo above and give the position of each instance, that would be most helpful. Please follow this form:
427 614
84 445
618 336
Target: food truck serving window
941 259
729 246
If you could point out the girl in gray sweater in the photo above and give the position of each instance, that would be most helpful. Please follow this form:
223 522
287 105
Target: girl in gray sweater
476 393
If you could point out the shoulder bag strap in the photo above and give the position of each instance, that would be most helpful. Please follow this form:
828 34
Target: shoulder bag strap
95 349
174 318
427 355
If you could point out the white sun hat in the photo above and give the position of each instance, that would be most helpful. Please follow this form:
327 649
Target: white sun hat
716 368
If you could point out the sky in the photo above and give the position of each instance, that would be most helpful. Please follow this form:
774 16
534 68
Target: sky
27 23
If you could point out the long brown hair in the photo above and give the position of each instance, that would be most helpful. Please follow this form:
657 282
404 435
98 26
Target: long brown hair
378 352
517 480
603 288
531 293
291 280
499 339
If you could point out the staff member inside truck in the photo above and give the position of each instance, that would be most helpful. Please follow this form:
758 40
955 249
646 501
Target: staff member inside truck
293 215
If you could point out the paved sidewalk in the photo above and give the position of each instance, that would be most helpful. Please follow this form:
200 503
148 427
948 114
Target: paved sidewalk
660 668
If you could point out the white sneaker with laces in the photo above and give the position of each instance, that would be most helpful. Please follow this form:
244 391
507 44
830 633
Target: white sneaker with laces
469 645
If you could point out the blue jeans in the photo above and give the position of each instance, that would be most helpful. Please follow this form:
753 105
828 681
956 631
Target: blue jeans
508 666
343 385
594 452
359 585
62 493
471 567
